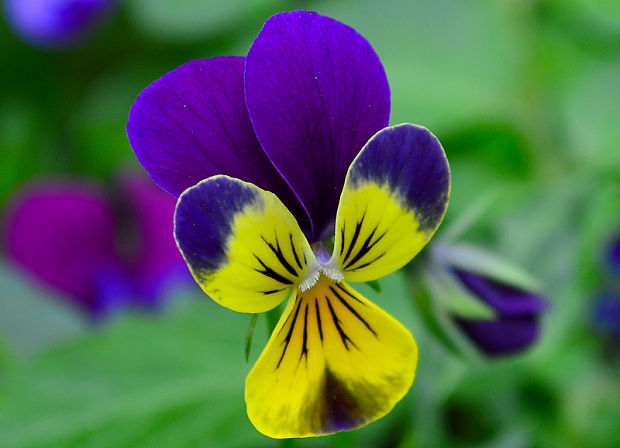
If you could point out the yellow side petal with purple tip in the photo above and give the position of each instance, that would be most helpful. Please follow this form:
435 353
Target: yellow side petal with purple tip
242 245
334 362
394 198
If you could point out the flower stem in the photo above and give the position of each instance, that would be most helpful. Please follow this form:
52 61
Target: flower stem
272 317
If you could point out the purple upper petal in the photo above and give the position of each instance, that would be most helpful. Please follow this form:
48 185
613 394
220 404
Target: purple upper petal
55 22
157 263
316 92
192 123
64 236
516 326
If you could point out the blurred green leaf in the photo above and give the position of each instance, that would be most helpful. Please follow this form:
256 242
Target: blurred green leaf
454 299
97 125
32 319
183 20
448 62
591 113
178 379
497 145
26 144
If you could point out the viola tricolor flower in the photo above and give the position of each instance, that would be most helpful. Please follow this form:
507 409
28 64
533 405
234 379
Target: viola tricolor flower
55 23
68 235
510 295
290 186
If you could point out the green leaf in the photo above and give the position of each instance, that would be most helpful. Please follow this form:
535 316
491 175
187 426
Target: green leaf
250 335
374 284
176 377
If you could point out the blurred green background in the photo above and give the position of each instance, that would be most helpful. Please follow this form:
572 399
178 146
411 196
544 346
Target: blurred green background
525 98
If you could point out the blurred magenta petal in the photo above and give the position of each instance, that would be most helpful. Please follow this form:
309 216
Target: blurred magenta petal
192 123
316 92
64 235
157 263
71 238
55 23
516 326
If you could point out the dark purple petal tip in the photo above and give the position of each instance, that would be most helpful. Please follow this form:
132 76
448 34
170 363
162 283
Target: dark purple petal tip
412 162
316 92
203 220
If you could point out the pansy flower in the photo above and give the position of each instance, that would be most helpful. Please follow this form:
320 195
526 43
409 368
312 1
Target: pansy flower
55 23
291 186
69 237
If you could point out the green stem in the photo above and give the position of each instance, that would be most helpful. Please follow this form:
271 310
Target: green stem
272 317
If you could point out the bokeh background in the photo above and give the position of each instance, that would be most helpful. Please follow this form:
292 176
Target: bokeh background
525 98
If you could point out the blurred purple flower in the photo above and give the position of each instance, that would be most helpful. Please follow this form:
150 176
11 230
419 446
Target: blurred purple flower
516 325
613 255
55 23
607 314
72 239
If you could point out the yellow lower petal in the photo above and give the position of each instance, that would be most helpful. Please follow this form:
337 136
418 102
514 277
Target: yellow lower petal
334 362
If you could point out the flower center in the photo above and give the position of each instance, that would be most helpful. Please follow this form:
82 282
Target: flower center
326 265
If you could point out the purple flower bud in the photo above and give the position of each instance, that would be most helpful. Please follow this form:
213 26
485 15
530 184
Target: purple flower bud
516 325
474 277
55 23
